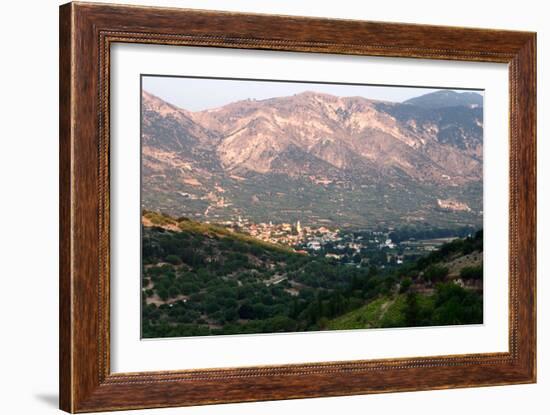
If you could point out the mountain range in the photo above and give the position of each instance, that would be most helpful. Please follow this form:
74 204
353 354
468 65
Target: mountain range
318 158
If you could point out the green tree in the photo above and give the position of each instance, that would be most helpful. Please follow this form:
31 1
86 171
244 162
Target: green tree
405 285
455 305
435 273
472 273
412 310
173 259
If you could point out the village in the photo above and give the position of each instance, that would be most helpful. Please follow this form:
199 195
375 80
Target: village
364 248
289 234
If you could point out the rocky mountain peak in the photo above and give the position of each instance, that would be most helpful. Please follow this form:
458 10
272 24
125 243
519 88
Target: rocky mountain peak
447 98
318 136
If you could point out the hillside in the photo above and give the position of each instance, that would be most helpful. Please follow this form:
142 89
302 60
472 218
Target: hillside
366 162
446 99
201 279
446 287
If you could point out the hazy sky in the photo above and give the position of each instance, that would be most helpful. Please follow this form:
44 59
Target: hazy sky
196 94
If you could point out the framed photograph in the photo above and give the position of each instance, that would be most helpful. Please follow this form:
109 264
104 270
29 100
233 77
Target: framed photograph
261 207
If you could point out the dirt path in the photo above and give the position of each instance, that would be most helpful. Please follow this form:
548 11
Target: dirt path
155 299
384 308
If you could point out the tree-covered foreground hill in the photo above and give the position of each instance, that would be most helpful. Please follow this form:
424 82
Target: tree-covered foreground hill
201 279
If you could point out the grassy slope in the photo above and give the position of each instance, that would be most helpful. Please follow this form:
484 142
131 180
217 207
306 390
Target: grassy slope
364 317
206 229
211 230
381 312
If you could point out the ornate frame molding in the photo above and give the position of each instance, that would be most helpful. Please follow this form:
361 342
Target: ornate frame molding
87 32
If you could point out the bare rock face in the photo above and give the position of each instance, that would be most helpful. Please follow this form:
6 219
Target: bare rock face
318 138
452 205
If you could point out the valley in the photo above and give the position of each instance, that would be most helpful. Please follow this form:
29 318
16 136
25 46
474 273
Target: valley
311 212
201 279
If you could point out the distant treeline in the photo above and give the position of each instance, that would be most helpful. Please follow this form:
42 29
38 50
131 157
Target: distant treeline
407 233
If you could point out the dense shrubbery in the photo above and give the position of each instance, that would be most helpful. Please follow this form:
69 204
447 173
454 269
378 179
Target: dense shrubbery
450 305
435 273
472 273
458 246
207 280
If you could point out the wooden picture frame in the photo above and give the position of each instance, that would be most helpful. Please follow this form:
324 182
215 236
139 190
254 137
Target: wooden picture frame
86 33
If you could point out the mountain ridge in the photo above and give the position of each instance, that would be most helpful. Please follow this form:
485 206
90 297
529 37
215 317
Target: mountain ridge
310 137
446 99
